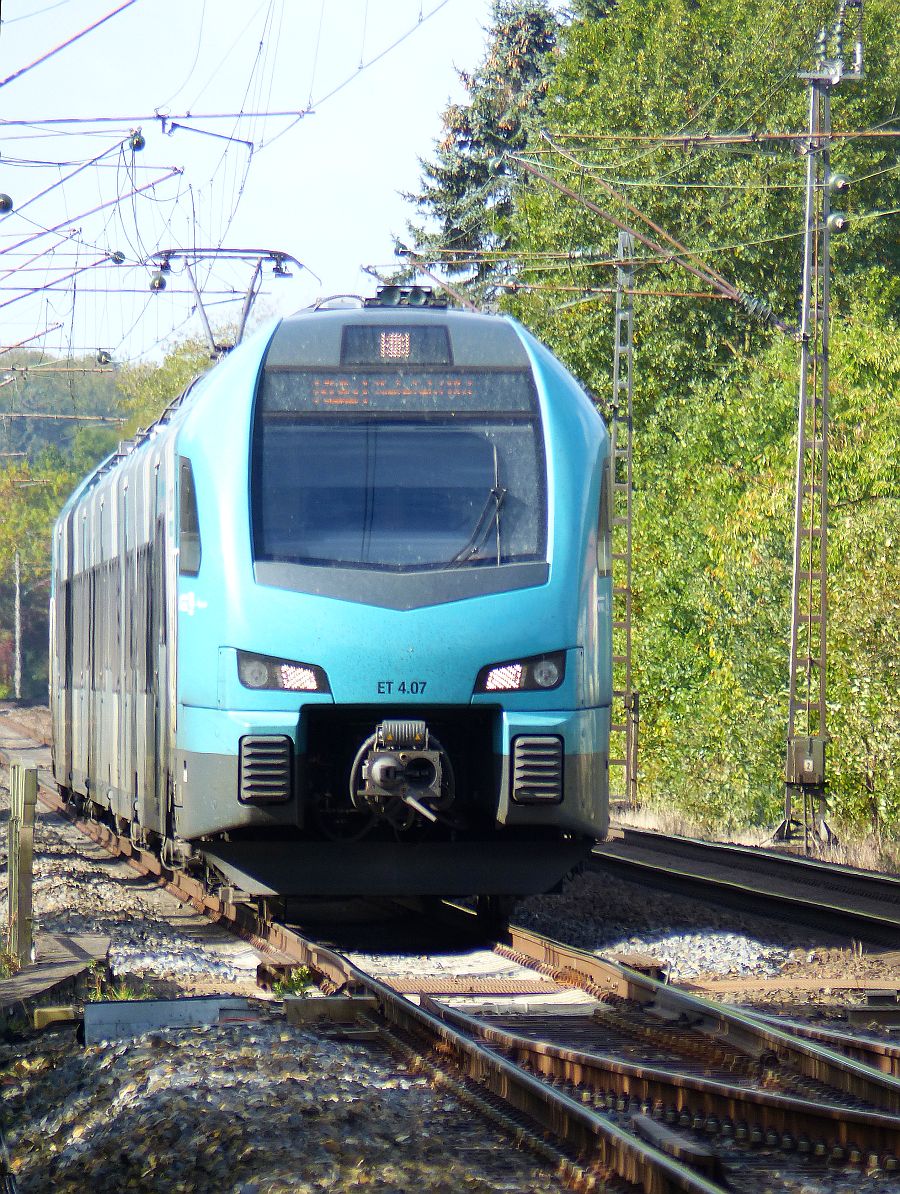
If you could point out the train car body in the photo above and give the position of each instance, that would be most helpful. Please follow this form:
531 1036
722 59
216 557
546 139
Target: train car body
340 622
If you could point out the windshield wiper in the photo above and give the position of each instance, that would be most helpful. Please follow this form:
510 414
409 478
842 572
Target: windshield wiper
488 517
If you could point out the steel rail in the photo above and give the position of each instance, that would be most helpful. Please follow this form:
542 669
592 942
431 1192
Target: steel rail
829 1129
598 1140
799 867
881 1055
859 903
605 976
745 1031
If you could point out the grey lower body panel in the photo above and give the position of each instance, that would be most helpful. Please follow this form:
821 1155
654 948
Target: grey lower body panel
211 803
264 868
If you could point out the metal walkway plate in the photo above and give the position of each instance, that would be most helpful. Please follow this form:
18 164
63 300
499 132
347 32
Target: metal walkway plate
473 985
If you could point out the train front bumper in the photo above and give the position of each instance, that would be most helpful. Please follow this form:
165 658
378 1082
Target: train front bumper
548 768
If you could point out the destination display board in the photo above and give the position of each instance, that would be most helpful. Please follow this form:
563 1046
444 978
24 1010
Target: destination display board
398 390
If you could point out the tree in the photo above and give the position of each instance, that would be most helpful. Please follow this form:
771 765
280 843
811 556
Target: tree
466 189
716 394
147 389
48 385
31 495
33 491
655 67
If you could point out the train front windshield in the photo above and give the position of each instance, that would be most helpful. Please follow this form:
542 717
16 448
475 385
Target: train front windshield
403 471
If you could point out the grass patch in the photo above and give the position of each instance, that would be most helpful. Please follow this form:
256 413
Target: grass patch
9 964
298 982
102 986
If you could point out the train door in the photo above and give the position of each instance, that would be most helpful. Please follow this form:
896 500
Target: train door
80 654
170 582
118 769
158 638
91 718
142 665
152 644
129 653
125 657
61 663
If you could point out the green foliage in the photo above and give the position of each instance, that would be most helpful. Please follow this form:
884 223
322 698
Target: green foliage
466 189
31 495
148 389
298 982
103 987
9 964
42 385
714 517
864 574
34 489
698 66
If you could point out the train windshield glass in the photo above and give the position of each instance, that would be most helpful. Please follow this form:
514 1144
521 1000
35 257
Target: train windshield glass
400 492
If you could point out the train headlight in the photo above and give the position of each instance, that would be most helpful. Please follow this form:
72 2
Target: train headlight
545 673
253 672
284 675
517 675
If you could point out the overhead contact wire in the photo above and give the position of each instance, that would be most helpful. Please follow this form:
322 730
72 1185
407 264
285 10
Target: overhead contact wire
64 45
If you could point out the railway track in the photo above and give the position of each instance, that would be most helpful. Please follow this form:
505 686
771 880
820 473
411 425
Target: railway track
858 904
634 1080
646 1071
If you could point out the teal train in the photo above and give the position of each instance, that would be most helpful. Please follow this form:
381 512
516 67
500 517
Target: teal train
339 623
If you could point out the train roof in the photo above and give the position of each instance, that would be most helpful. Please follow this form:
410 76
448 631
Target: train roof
316 338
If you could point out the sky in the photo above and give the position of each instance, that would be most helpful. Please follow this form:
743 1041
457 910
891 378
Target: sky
324 187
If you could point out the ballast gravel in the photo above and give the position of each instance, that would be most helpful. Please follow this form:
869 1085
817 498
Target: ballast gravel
266 1109
607 915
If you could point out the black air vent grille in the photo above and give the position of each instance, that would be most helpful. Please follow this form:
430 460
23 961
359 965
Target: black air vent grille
266 768
537 776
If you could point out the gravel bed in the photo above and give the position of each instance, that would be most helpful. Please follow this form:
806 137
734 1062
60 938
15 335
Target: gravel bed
249 1109
252 1109
79 888
610 915
741 958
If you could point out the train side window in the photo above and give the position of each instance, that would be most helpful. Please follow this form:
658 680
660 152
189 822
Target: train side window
188 523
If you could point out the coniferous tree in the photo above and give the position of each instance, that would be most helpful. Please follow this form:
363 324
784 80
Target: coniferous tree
466 189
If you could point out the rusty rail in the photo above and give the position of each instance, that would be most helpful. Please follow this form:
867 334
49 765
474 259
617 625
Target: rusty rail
746 1031
824 1129
861 904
